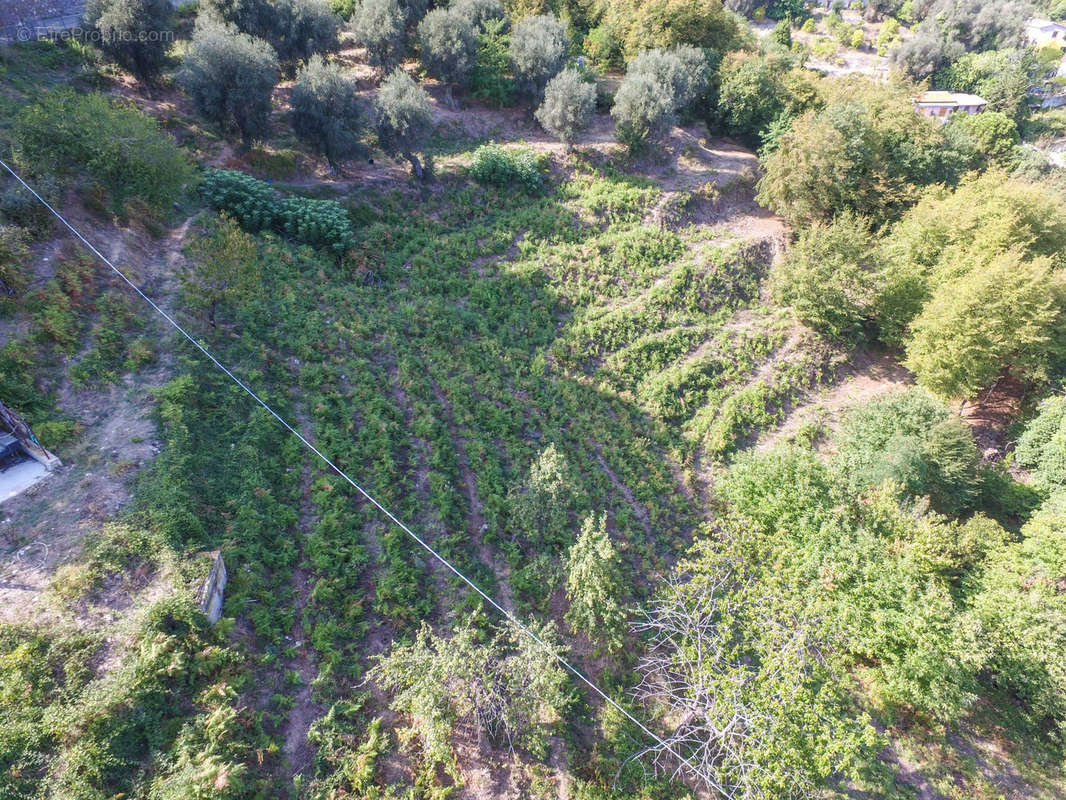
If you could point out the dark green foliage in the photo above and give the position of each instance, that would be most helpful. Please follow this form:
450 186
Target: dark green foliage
508 167
136 33
325 110
114 145
911 439
782 33
829 276
569 102
404 119
1042 446
378 25
448 45
319 223
492 81
538 50
757 91
230 77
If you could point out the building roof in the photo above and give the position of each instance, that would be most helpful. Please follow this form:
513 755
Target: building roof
1044 23
939 98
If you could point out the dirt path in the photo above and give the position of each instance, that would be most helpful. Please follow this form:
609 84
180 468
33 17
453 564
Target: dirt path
631 500
867 377
297 750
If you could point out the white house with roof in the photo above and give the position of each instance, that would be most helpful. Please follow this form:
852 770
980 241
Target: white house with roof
1039 32
941 105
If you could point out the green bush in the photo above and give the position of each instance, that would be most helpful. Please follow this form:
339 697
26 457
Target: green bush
257 207
13 255
911 439
1042 447
502 167
113 144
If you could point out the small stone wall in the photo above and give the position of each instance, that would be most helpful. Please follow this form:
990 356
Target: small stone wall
24 20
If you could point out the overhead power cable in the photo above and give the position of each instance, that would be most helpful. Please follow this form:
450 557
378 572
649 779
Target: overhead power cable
369 497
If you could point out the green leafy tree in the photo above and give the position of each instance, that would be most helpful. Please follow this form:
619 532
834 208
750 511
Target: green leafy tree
992 135
912 440
90 136
378 25
133 32
738 668
1002 315
230 77
223 268
594 584
569 103
652 24
1020 608
448 46
1042 446
325 109
782 33
757 90
865 151
949 230
492 81
404 119
503 686
538 50
829 276
540 509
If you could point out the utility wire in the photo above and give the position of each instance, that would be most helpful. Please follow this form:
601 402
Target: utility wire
369 497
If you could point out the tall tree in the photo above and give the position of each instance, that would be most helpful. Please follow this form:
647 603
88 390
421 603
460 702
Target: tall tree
594 584
325 109
133 32
540 509
378 25
448 46
538 51
404 119
230 77
569 102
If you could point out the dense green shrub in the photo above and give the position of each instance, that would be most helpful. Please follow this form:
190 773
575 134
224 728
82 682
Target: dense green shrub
302 28
508 167
1042 446
828 276
14 253
911 439
230 77
478 12
320 223
90 136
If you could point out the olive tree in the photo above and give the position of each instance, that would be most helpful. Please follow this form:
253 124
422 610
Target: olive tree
404 118
538 51
378 25
569 101
449 46
657 85
302 28
133 32
230 76
478 12
325 110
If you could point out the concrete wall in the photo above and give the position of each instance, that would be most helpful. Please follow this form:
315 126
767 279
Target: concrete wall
23 20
